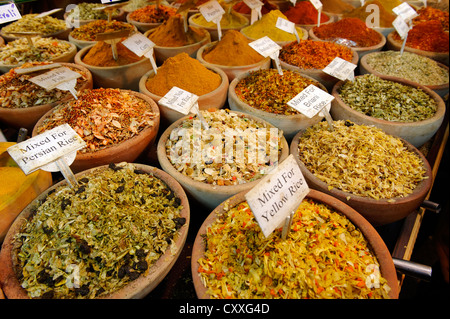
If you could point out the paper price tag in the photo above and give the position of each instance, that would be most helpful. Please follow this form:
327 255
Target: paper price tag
265 46
277 195
405 11
211 11
8 13
255 6
287 26
311 101
53 78
139 44
317 4
401 27
341 69
179 100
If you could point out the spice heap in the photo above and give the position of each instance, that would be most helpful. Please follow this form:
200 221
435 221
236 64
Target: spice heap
86 11
44 49
427 36
336 6
102 117
310 54
269 91
304 13
89 31
324 256
151 14
386 15
243 8
101 55
431 14
171 33
186 73
387 100
349 31
266 26
112 228
409 66
227 153
31 23
230 19
232 50
17 92
361 160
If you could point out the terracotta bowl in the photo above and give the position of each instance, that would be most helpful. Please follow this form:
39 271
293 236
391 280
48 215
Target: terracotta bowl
303 34
233 71
377 212
392 44
142 26
325 79
136 289
80 44
126 151
380 250
122 77
206 194
62 35
27 117
213 31
77 23
290 124
361 50
66 57
416 133
163 53
441 89
214 99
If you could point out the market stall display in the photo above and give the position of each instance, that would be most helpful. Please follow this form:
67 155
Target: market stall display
150 16
306 16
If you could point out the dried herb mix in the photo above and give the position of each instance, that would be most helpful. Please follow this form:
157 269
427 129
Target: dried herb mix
93 240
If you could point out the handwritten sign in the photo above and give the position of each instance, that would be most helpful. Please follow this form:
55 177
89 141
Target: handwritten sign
53 78
267 47
140 45
287 26
311 101
405 11
341 69
9 13
211 10
179 100
401 26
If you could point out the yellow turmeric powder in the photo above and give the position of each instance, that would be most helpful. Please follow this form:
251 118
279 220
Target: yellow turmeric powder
101 55
171 33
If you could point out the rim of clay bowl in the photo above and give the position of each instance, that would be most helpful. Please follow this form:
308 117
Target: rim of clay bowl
135 289
418 193
194 16
220 189
142 26
304 36
206 38
382 253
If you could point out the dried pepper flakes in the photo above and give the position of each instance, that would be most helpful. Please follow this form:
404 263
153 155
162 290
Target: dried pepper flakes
387 100
269 91
361 160
151 14
103 117
93 240
324 256
89 31
429 14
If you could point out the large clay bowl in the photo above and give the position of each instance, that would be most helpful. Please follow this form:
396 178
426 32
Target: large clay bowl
440 89
126 151
416 133
375 241
62 35
303 35
377 212
121 77
213 30
214 99
324 78
206 194
27 117
136 289
77 22
290 124
80 44
163 53
143 26
361 50
392 44
232 71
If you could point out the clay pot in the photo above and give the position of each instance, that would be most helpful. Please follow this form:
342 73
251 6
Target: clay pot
214 99
206 194
122 77
27 117
416 133
377 212
126 151
136 289
380 250
290 124
213 30
233 71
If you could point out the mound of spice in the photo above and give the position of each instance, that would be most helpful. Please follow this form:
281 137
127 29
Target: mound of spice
429 13
427 36
387 100
106 233
336 6
31 23
269 91
310 54
266 26
16 91
386 16
89 31
186 73
151 14
101 54
361 160
232 50
102 117
171 33
349 31
409 66
230 19
324 256
305 13
242 7
88 11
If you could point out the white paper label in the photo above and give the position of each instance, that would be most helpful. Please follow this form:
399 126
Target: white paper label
211 10
139 44
311 101
277 195
401 26
317 4
9 13
179 100
285 25
109 1
53 78
405 11
341 69
45 148
253 4
265 46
